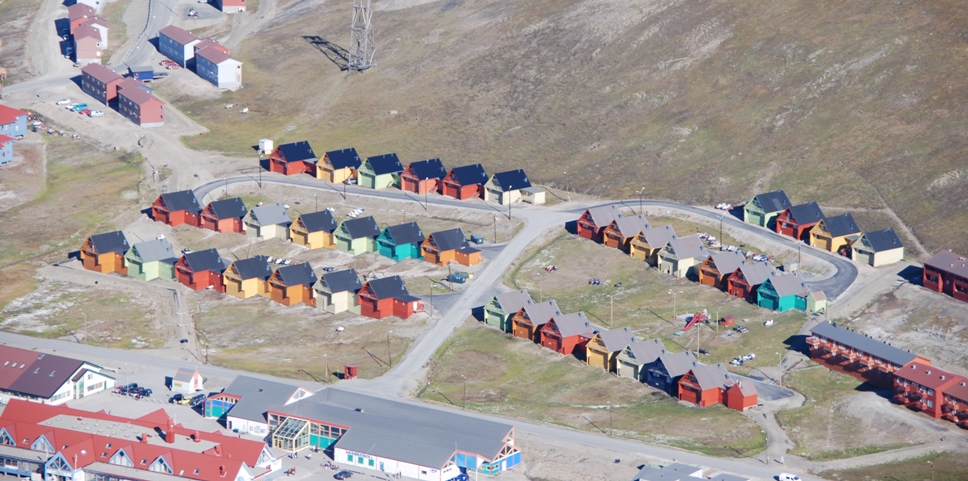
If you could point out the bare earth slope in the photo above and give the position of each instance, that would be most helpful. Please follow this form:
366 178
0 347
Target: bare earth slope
851 104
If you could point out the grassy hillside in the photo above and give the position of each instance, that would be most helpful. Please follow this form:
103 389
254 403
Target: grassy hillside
851 104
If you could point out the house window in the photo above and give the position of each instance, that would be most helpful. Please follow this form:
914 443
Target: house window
349 458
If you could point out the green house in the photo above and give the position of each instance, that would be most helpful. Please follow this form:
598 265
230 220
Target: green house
503 306
380 172
151 260
357 236
764 208
401 242
782 292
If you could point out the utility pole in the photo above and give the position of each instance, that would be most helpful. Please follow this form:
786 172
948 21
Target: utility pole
640 199
464 396
362 44
389 356
327 367
611 310
316 198
610 419
495 229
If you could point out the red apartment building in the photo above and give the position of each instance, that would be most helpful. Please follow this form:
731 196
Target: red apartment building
947 272
921 386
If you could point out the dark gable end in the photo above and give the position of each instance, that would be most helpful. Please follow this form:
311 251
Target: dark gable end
470 175
344 159
297 152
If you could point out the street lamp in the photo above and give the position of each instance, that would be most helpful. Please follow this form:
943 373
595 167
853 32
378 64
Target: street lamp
389 355
674 294
640 199
463 400
721 227
931 464
327 367
610 419
611 310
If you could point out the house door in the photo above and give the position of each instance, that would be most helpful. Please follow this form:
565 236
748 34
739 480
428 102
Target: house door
768 301
864 257
823 243
756 218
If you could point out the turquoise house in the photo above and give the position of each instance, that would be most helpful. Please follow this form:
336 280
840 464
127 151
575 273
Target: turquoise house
782 292
357 236
380 172
151 260
401 242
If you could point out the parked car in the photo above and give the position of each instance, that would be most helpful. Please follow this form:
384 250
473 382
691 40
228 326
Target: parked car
127 389
476 239
344 474
196 400
787 477
184 400
176 399
78 107
740 329
96 113
63 101
85 112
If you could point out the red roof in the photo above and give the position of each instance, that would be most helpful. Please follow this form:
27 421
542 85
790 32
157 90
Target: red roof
4 139
9 115
205 43
137 95
180 36
100 72
85 31
213 54
79 10
947 261
926 375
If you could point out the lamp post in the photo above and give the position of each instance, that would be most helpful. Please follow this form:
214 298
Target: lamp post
463 400
327 367
611 310
495 229
316 198
389 355
640 199
931 464
610 419
674 294
721 227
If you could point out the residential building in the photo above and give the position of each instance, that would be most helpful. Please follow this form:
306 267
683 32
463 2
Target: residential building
6 149
533 195
530 318
448 246
878 248
230 6
566 333
87 44
140 106
150 260
620 232
386 297
178 45
100 82
782 292
223 215
208 42
96 5
921 387
187 381
357 236
314 230
380 171
243 404
603 348
101 26
13 122
859 355
716 269
505 187
955 407
947 272
216 66
665 372
293 158
104 253
649 242
672 472
741 395
338 166
400 242
338 291
466 182
763 208
422 177
78 14
796 221
292 284
703 384
747 279
248 277
268 221
682 256
633 361
834 233
502 307
48 379
176 208
201 270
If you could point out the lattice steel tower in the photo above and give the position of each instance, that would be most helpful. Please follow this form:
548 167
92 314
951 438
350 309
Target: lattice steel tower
362 45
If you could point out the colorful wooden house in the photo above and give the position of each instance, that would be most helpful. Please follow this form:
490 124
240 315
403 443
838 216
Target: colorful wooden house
466 182
741 395
816 302
878 248
338 291
682 256
566 333
104 253
268 221
149 260
529 320
921 387
380 172
450 245
387 296
782 292
400 242
314 230
201 270
747 278
292 284
176 208
294 158
592 223
423 176
703 384
502 307
357 236
796 221
247 277
716 269
947 272
505 187
633 361
859 355
649 242
763 208
338 166
223 215
665 372
833 233
620 232
603 348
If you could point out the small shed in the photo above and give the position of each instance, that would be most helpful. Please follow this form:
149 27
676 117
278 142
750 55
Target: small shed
143 73
533 195
265 146
187 381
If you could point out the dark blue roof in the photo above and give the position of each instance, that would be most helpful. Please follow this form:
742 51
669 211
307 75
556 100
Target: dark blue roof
254 267
469 174
808 213
321 221
389 287
342 281
341 159
297 152
511 180
110 242
297 275
207 260
446 240
775 201
181 200
883 240
228 208
385 164
428 169
361 227
841 225
408 233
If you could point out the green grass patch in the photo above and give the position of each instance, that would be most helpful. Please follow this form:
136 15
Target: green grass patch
940 466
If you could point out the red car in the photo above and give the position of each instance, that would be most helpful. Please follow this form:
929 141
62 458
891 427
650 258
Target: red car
85 112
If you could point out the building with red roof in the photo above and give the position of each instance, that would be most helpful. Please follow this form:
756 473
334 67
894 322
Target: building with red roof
87 44
230 6
6 149
140 106
955 407
78 14
945 272
100 82
13 122
920 386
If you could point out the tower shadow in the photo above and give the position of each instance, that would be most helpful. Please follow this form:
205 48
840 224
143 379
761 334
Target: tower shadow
336 54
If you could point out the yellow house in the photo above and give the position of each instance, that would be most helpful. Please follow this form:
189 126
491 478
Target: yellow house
647 244
831 233
603 349
247 278
338 166
314 230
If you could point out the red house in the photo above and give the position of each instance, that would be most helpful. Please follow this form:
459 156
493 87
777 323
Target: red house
223 216
703 384
921 386
139 106
176 208
745 280
741 395
200 270
592 224
796 221
955 406
294 158
566 332
465 182
385 297
947 272
423 176
621 230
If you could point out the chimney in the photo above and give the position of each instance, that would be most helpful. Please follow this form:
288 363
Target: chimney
170 432
218 449
221 470
144 437
195 437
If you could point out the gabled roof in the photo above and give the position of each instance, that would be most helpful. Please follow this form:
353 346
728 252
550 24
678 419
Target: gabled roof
388 288
647 351
228 208
541 312
258 396
184 374
883 240
110 242
270 214
631 226
137 95
344 158
659 236
9 115
727 262
860 342
775 201
513 301
297 152
385 164
80 10
451 239
688 247
408 233
253 268
603 214
297 275
808 213
322 221
948 261
427 169
155 250
841 225
710 376
788 284
469 174
214 54
927 375
361 227
574 324
182 200
617 339
86 30
206 260
341 281
756 273
510 180
39 374
746 388
100 73
677 364
4 139
179 35
958 390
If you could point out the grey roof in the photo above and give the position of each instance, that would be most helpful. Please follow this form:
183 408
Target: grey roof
630 226
206 260
863 343
511 180
345 158
788 284
385 164
375 427
110 242
617 339
270 214
319 221
408 233
541 312
361 227
659 236
469 174
677 364
253 267
181 200
388 287
427 169
756 272
687 248
154 250
841 225
184 374
710 376
728 477
672 472
748 388
340 281
228 208
446 240
947 261
258 396
647 351
297 275
727 262
883 240
574 324
773 201
297 152
808 213
513 301
604 214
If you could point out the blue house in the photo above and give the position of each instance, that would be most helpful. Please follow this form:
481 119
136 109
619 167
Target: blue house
401 242
6 149
13 122
664 373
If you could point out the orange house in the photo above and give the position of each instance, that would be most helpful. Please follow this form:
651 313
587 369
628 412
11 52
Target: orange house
292 284
223 215
450 245
703 384
623 229
201 270
423 176
741 395
529 320
292 159
176 208
105 253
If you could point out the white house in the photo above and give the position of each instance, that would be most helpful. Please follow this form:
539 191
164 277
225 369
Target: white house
49 379
187 381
